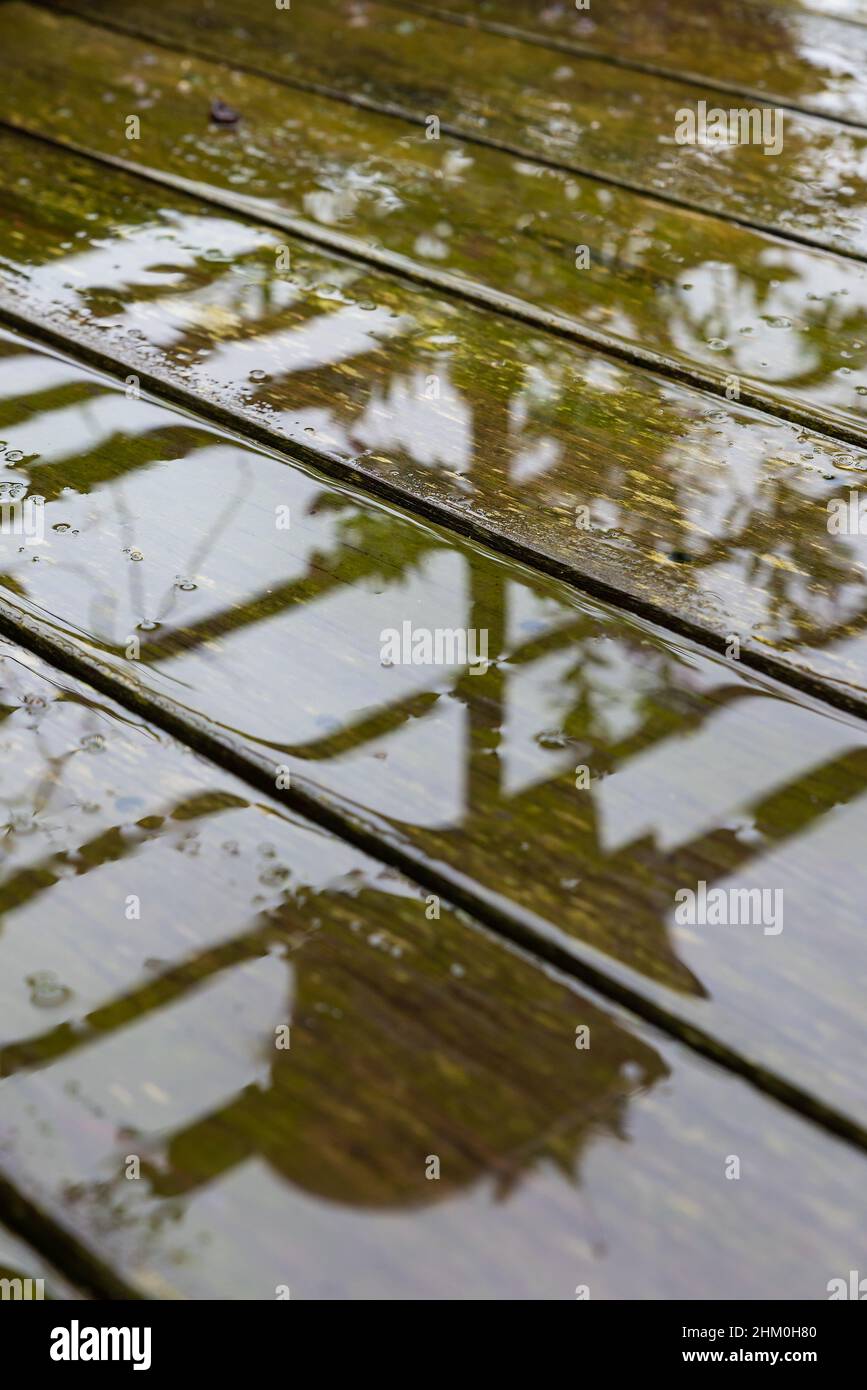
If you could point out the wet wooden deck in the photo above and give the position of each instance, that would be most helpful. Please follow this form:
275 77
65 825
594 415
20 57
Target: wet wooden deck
298 946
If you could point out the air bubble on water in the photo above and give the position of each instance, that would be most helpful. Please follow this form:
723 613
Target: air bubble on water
186 585
553 738
46 991
93 743
259 375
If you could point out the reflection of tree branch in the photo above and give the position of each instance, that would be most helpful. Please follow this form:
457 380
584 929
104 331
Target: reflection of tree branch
108 847
783 815
46 1048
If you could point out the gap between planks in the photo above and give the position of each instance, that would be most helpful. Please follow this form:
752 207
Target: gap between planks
455 286
401 113
580 962
576 49
838 696
25 1216
92 1277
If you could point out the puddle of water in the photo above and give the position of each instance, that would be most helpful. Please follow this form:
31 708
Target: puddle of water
588 775
424 1073
717 513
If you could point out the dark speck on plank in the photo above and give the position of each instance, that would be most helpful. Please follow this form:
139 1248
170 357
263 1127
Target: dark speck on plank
224 114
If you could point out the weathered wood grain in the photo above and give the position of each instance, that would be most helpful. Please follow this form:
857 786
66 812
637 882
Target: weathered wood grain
746 314
799 55
265 1170
589 117
566 793
700 512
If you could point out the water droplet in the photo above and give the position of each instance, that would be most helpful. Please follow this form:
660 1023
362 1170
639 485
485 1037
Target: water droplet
258 375
186 584
46 991
93 743
553 738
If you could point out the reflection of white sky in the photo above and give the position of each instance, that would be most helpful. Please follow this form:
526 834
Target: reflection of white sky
126 261
618 688
76 429
685 785
168 510
843 660
722 302
748 594
420 770
536 460
538 456
334 645
530 614
324 340
453 1248
27 374
221 898
433 432
719 497
538 697
132 1076
816 964
227 302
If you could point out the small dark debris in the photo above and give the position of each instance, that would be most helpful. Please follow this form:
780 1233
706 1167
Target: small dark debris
681 557
224 114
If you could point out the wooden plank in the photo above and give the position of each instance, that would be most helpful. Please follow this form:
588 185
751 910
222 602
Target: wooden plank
168 575
589 117
700 513
308 1169
561 22
722 305
791 54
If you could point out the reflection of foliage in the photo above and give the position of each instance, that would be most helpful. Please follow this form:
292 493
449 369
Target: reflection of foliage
394 1059
385 553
